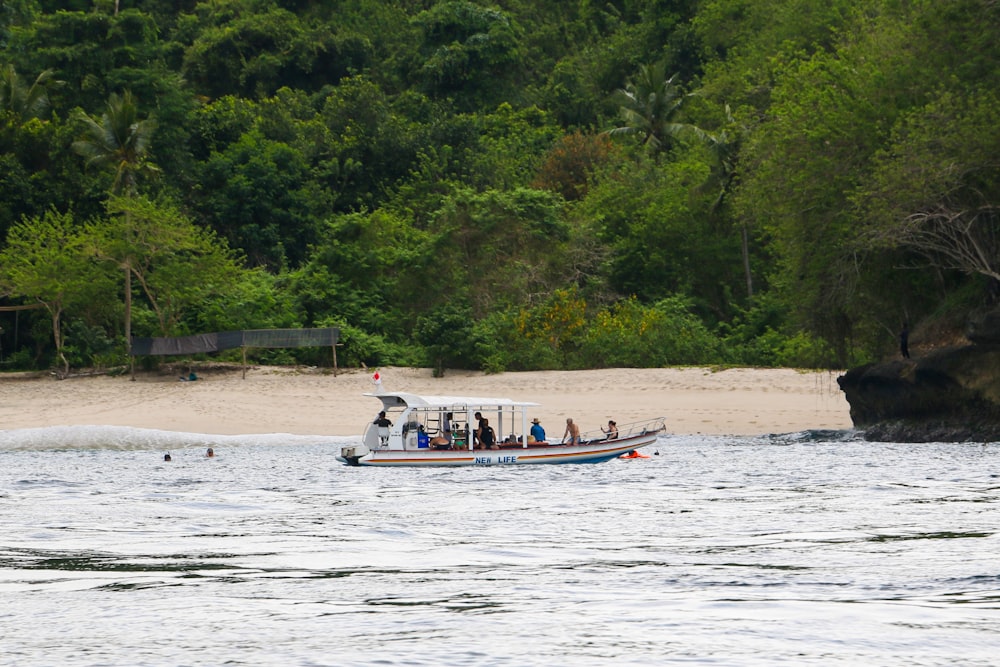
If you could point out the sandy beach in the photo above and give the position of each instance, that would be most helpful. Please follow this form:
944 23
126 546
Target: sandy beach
737 401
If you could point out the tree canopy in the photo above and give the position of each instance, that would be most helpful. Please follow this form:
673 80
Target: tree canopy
503 185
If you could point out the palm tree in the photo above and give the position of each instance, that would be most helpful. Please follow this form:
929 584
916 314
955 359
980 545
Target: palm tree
24 101
649 105
120 141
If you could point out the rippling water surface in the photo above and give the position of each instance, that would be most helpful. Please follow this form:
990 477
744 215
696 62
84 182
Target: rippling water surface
812 548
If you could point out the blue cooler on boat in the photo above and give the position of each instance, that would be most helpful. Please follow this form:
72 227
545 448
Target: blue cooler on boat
423 440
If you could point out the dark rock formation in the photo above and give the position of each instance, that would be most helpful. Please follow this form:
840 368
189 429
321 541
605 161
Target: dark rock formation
950 395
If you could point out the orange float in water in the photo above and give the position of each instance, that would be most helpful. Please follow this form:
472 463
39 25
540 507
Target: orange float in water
634 454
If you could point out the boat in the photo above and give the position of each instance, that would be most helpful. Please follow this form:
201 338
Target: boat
414 432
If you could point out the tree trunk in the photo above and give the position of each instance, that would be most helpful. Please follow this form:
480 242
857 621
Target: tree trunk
128 319
57 339
746 260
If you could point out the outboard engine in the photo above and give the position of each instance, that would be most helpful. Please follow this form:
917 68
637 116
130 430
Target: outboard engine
353 454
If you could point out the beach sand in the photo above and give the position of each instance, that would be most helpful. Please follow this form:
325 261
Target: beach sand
738 401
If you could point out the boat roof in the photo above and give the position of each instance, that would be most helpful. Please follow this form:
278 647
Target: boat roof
396 399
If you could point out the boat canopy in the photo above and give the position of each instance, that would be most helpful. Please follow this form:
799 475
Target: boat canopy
402 399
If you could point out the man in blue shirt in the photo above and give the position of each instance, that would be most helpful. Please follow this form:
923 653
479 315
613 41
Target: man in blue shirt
537 432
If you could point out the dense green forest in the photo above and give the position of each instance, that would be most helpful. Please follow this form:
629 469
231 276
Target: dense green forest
498 185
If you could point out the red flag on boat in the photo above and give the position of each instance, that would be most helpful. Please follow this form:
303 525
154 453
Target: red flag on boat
377 378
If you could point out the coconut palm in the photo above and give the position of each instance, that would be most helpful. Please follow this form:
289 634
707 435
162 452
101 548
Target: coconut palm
648 107
25 101
120 141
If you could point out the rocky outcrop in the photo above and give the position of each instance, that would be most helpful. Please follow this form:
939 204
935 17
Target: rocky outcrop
950 395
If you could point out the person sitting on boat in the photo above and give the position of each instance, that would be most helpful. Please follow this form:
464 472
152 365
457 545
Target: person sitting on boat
443 441
487 436
573 431
612 431
382 420
537 432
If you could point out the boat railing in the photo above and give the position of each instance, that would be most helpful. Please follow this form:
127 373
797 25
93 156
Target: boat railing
631 430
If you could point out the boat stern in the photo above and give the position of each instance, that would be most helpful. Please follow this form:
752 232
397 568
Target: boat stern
352 454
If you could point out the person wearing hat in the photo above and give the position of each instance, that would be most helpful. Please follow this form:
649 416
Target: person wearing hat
537 432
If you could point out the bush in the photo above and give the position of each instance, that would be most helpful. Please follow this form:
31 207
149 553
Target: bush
359 347
90 346
633 335
754 338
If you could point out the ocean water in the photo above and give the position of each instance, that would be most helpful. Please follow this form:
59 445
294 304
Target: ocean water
801 549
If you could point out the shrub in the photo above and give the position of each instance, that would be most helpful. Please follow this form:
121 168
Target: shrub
633 335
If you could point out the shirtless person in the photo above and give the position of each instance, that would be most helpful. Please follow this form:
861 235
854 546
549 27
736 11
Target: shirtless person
573 431
443 441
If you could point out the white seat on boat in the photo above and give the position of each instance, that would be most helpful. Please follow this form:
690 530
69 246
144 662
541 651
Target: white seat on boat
383 436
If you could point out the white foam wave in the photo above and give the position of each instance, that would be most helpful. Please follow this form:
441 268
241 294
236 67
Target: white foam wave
128 438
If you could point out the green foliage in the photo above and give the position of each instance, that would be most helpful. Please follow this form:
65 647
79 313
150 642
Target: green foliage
510 145
758 336
252 194
21 360
365 269
118 141
359 347
649 109
255 299
432 174
252 54
744 41
469 51
808 159
501 245
550 332
89 346
655 221
631 335
446 334
178 265
564 333
935 189
90 51
46 260
24 101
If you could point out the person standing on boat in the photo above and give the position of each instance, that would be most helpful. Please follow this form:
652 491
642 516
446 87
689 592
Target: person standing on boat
611 431
537 432
476 442
573 431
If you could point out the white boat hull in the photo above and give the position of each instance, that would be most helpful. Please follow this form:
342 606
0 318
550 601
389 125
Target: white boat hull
590 452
